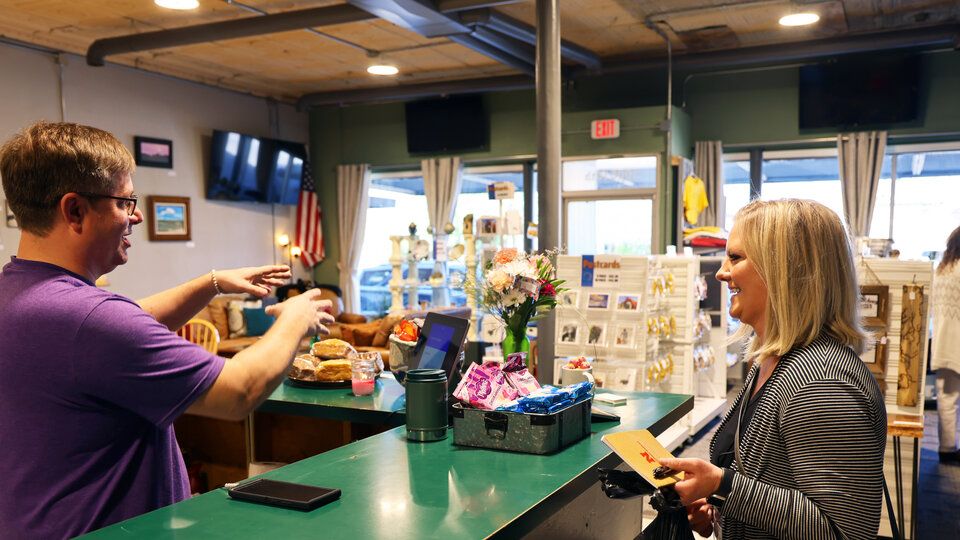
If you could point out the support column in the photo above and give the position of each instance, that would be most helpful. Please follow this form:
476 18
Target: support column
548 159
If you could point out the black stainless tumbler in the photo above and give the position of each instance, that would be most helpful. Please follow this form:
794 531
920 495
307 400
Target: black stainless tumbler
426 404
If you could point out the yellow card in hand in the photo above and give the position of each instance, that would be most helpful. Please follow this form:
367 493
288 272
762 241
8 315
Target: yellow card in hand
641 450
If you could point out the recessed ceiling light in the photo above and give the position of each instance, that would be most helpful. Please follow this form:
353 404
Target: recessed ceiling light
382 70
799 19
177 4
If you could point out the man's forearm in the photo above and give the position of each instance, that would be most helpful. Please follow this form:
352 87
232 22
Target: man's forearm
174 307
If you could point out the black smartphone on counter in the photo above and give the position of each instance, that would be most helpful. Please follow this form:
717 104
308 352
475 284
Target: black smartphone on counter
285 494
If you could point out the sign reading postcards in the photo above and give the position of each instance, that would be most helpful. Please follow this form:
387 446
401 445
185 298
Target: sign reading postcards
600 271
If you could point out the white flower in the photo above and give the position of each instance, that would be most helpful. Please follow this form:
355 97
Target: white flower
521 267
512 298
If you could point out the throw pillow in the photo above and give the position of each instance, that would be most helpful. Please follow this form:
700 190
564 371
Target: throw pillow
363 334
258 322
235 321
385 329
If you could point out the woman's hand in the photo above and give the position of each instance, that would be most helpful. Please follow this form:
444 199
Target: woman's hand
255 280
700 513
700 479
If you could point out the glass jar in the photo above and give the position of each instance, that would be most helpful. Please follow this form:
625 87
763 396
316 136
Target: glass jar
363 370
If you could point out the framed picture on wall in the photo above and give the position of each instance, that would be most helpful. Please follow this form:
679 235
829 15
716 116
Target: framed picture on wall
874 305
169 218
875 354
149 152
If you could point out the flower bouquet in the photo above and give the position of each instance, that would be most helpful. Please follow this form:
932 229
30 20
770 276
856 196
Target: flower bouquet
517 288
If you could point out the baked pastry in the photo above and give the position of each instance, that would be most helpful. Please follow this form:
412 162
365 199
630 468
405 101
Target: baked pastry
304 368
333 348
333 370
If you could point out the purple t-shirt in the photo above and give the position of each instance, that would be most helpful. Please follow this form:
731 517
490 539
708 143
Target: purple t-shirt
90 385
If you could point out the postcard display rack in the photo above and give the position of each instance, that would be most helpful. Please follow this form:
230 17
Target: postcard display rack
643 328
898 355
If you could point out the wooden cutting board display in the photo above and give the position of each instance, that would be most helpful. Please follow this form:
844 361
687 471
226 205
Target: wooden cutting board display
911 342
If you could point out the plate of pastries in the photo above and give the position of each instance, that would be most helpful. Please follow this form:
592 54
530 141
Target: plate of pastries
327 365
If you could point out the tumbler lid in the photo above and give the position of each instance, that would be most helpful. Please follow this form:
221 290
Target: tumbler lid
426 375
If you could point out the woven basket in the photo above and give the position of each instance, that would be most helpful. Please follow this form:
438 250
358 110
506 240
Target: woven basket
401 354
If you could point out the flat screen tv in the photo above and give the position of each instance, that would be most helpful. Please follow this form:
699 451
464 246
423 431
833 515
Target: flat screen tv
254 169
455 123
860 91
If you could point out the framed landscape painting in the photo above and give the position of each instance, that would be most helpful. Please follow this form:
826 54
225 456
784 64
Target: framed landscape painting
169 218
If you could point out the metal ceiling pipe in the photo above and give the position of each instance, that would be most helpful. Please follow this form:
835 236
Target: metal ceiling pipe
237 28
495 53
411 91
249 26
521 31
941 36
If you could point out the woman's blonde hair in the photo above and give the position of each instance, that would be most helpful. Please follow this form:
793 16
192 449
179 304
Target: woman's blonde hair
802 253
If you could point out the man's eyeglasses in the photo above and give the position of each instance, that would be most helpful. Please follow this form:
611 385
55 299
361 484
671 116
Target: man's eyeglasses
131 202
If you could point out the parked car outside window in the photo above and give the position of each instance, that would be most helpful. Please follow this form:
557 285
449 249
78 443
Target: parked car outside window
375 287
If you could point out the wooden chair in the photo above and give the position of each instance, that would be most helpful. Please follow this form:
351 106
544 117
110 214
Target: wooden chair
201 332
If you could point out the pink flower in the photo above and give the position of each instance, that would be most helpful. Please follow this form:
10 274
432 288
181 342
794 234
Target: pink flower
546 289
499 279
505 255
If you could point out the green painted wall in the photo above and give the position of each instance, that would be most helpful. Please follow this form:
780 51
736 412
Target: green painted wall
763 106
375 134
736 108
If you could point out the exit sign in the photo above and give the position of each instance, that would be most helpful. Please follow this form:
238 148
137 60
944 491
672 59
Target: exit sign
605 129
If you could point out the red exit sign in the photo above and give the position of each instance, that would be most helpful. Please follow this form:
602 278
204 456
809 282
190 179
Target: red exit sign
605 129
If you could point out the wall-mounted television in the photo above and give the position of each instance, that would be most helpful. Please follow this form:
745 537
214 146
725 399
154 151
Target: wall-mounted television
860 91
455 123
254 169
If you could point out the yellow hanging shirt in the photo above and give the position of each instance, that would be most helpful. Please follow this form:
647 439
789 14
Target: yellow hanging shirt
694 198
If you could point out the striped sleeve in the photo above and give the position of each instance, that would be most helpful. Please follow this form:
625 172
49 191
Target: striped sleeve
834 442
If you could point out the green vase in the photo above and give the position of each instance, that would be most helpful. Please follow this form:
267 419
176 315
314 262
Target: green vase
513 343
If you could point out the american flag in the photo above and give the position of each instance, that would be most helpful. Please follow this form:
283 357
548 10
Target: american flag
309 234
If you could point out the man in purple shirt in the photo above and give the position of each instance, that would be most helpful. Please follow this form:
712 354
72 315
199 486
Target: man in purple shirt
90 381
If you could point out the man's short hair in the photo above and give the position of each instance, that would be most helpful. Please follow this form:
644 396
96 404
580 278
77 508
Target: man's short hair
47 160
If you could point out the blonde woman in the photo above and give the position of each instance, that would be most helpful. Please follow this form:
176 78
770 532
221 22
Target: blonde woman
800 452
945 357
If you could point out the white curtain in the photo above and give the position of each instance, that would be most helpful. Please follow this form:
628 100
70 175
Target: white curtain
353 197
861 158
708 159
442 180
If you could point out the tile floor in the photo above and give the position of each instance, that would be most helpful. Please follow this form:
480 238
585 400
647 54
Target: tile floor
938 515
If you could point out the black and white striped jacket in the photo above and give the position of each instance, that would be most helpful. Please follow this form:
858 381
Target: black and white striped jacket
813 452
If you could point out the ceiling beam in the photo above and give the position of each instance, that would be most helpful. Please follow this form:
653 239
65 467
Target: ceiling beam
931 37
412 91
508 26
250 26
414 15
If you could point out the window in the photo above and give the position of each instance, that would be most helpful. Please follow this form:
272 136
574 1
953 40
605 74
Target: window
609 205
918 194
399 199
736 186
926 202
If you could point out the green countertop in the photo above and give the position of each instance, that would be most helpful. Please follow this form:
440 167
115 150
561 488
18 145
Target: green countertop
385 407
393 488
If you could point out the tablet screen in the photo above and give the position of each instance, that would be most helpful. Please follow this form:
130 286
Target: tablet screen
435 349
